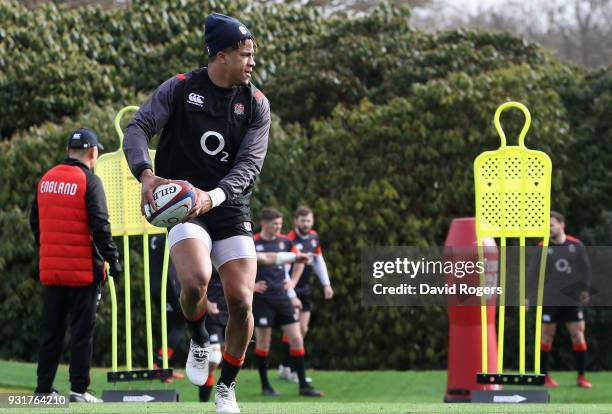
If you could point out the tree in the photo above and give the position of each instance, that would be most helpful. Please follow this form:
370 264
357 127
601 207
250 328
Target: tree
579 31
350 7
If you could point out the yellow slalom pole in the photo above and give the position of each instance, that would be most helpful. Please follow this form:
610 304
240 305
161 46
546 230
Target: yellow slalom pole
113 295
538 324
147 293
483 313
126 253
522 306
501 325
502 306
164 283
128 316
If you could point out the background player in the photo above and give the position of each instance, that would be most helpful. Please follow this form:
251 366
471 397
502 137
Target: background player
307 241
216 323
567 264
271 304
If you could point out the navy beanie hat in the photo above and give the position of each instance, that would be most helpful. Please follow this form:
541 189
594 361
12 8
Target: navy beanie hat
223 31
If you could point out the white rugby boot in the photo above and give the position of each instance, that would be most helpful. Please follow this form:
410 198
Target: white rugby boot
225 398
196 367
85 397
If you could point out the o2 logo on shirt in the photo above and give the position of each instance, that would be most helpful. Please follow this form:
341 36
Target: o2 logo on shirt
213 143
563 266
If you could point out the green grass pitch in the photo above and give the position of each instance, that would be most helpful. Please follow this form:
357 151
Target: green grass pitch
346 392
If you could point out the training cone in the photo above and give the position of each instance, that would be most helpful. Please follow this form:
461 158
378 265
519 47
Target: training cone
464 336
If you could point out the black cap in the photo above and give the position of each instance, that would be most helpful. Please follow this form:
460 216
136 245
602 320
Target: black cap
84 138
223 31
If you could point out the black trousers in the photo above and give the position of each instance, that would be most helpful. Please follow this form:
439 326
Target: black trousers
174 314
80 303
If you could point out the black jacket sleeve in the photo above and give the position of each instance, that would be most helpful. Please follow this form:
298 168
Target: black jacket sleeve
98 219
34 220
149 120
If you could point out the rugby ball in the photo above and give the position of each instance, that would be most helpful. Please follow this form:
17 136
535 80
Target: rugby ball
173 201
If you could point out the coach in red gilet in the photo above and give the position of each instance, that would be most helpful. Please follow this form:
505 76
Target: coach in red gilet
69 219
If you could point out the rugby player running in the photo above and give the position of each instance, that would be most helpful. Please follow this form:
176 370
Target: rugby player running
214 133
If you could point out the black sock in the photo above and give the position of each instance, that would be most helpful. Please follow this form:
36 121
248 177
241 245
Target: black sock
204 393
230 366
580 358
286 361
297 365
197 329
205 390
262 366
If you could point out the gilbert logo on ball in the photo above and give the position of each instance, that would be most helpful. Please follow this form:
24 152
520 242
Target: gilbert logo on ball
173 202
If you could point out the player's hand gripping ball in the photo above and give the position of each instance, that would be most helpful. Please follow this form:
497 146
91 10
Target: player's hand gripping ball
173 202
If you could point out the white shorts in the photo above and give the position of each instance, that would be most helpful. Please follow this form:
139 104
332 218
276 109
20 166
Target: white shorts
221 251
